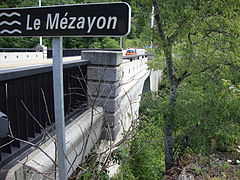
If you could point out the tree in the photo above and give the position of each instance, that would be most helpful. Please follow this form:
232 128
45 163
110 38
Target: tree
193 34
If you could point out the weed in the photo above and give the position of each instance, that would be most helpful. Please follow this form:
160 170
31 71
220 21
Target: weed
225 166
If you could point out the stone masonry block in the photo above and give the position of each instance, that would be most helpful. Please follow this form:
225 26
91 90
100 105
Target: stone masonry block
106 58
112 119
109 104
103 89
109 133
111 74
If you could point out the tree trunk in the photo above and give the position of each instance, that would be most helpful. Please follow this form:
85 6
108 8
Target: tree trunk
169 117
168 146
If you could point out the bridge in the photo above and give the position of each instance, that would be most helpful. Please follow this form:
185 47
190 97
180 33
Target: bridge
102 92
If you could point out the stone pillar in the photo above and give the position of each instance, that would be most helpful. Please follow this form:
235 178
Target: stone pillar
104 76
43 49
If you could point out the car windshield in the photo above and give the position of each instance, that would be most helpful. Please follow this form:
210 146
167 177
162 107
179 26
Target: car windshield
130 51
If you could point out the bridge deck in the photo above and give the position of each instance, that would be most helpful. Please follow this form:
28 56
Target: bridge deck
13 65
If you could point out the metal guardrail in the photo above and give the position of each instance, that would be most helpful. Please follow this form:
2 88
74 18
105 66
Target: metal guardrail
77 52
70 52
17 50
137 56
15 73
27 99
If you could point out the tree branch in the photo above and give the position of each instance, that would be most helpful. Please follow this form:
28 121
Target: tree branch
159 22
182 77
174 35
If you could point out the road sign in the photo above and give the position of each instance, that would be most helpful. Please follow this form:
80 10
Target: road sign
100 19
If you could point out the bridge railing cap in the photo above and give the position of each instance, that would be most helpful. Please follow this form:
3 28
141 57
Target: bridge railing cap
103 57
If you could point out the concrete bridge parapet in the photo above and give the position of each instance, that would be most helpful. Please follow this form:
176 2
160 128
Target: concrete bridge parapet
116 85
112 84
40 163
104 76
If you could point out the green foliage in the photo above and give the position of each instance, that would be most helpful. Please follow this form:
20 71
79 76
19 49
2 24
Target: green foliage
110 43
18 42
208 101
92 168
125 172
91 42
201 40
134 43
89 175
204 100
146 155
147 161
197 170
120 154
9 3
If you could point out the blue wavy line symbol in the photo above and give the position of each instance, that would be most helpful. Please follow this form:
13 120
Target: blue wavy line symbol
10 15
11 32
10 23
6 23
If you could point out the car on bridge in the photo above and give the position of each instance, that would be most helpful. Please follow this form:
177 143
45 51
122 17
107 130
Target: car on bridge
131 52
135 51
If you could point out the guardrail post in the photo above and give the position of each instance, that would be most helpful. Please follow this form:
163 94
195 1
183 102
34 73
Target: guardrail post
104 76
43 49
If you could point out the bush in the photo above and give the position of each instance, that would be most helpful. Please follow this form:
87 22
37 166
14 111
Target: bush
146 150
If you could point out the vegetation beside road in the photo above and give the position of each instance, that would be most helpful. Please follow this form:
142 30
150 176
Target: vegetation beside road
196 109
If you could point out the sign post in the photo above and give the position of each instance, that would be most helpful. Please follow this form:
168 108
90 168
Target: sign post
59 106
99 19
40 38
